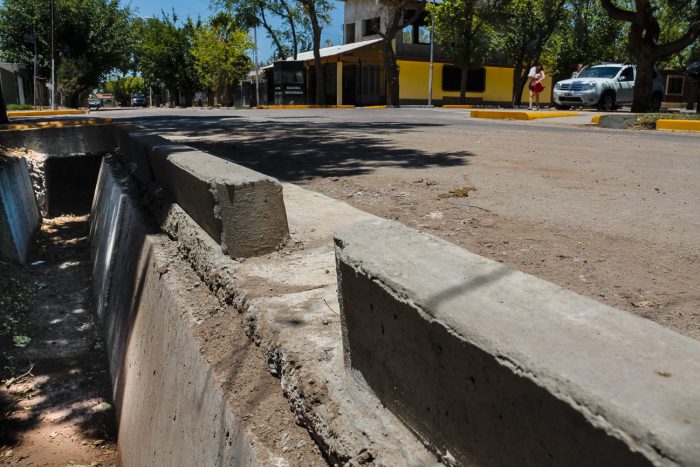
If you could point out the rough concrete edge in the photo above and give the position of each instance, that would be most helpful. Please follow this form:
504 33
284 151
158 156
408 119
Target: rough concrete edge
187 237
215 269
8 163
592 412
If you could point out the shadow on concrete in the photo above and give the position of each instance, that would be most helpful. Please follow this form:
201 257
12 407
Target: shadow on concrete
294 151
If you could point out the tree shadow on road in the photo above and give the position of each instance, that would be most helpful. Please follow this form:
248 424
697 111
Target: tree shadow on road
298 151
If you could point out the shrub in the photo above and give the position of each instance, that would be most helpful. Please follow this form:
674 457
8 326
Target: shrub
19 107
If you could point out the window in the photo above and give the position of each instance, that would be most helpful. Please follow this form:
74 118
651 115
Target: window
628 74
423 35
371 27
408 35
674 85
452 79
350 33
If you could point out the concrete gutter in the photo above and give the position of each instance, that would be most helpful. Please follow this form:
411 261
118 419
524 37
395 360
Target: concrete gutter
519 115
497 367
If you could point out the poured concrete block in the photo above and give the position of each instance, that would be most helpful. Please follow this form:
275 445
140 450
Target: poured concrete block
496 367
19 215
61 141
241 209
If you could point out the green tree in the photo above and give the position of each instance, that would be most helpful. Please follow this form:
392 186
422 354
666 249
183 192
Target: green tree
221 58
163 55
586 35
93 38
648 43
463 31
317 13
524 29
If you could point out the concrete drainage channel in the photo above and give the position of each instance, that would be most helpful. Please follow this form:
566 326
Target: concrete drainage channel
216 286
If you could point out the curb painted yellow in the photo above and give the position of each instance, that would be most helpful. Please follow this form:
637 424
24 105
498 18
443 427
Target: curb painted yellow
515 115
683 125
297 107
374 107
43 113
596 118
54 124
458 106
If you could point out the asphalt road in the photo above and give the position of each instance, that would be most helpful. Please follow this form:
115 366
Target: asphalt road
612 214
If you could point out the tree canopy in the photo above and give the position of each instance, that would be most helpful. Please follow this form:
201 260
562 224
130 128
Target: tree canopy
92 37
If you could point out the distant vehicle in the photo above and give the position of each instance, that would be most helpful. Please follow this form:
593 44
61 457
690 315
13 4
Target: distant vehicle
138 100
605 86
94 103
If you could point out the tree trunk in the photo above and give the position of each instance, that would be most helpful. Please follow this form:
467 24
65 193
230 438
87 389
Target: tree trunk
463 85
318 67
3 109
391 72
644 81
518 83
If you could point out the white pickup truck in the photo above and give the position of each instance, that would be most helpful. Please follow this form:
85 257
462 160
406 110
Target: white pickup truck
605 86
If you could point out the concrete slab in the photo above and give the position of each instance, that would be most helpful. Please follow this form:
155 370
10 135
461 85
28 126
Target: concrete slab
62 138
19 215
241 209
496 367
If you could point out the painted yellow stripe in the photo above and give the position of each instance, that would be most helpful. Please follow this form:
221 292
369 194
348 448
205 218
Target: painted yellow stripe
44 113
458 106
596 118
684 125
374 107
517 115
287 107
54 124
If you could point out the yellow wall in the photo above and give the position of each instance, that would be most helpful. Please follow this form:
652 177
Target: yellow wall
413 82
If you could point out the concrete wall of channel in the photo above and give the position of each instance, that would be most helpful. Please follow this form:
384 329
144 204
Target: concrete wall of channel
19 215
497 367
170 410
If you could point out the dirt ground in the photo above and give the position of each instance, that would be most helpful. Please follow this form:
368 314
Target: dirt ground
609 214
55 393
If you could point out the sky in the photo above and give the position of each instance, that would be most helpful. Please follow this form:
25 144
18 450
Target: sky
200 8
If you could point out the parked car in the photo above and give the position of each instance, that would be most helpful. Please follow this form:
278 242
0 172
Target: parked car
138 100
605 86
94 103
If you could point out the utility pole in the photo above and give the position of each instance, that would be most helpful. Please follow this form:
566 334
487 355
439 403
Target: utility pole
255 63
31 39
430 74
53 60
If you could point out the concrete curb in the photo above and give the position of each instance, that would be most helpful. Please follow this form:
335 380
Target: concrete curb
497 367
519 115
60 138
679 125
458 106
617 121
54 124
297 107
44 113
241 209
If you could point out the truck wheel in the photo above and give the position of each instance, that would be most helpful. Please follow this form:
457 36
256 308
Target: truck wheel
656 102
607 102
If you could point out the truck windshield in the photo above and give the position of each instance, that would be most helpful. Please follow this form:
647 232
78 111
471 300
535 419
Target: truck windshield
600 72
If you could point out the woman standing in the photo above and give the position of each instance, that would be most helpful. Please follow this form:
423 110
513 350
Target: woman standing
536 77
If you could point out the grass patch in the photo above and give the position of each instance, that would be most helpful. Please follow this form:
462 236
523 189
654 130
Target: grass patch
11 107
648 121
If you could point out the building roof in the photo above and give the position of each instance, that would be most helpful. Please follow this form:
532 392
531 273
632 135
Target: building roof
334 50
